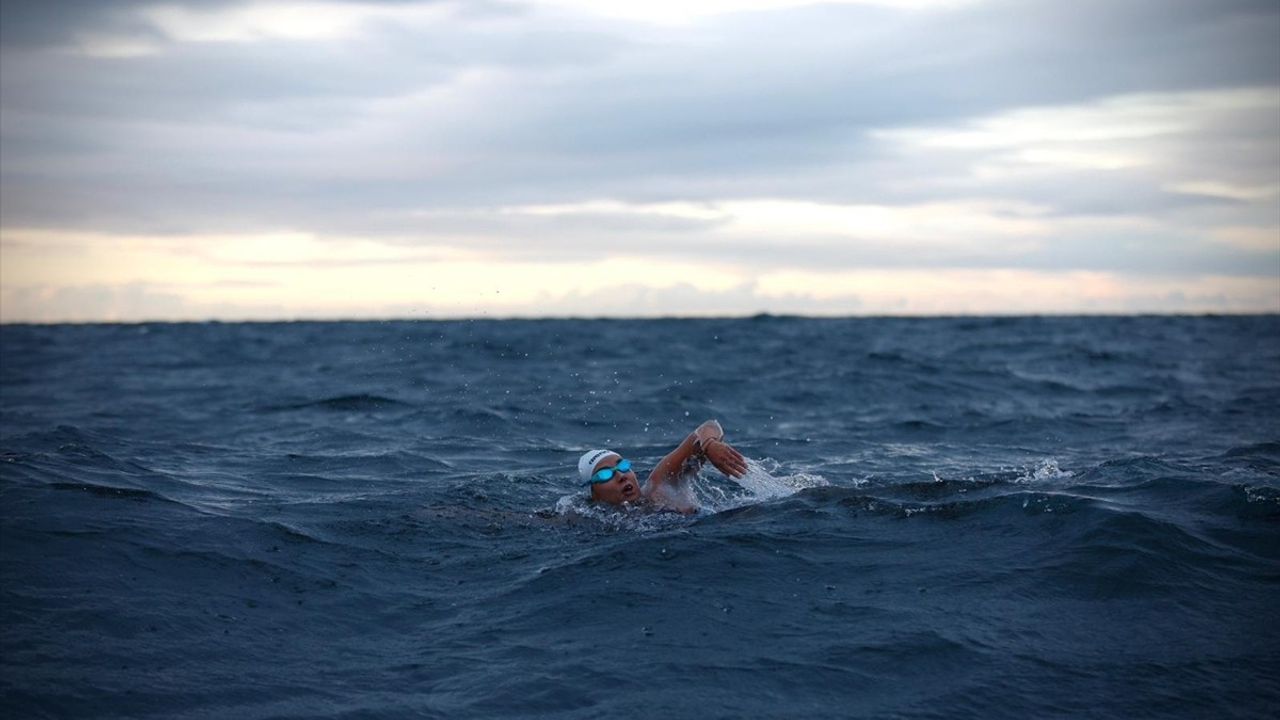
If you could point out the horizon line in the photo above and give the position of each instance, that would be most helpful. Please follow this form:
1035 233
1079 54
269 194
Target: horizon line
640 318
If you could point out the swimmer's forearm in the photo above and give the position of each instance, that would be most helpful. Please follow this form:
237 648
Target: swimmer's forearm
670 469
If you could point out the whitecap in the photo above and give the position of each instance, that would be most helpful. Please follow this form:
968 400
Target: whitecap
1046 471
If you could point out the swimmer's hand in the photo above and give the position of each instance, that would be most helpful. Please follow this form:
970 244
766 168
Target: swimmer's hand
725 458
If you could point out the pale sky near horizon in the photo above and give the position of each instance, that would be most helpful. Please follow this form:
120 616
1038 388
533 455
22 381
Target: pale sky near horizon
368 159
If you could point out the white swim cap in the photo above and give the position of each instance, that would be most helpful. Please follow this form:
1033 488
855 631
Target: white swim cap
588 461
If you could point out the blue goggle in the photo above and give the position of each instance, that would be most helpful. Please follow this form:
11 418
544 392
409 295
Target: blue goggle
606 474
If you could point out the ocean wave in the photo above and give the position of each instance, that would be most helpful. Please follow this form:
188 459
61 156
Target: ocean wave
359 402
107 491
1019 517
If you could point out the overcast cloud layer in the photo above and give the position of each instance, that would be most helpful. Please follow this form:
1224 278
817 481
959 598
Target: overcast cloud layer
365 159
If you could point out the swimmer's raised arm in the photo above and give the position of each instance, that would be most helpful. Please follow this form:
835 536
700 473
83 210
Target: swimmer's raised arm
704 443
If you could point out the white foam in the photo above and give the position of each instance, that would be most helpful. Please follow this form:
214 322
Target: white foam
1261 494
1046 471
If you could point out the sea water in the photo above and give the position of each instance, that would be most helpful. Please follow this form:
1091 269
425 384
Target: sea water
944 518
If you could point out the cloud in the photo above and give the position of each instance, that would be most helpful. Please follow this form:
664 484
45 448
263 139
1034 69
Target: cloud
94 303
1136 138
134 278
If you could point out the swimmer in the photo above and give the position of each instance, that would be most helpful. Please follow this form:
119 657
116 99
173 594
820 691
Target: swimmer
613 480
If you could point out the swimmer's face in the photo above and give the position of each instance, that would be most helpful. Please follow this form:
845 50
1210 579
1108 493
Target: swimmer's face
622 488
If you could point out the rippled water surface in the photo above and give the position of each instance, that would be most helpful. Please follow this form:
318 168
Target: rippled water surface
951 518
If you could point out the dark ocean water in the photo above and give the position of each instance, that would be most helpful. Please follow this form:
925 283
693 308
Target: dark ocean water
946 518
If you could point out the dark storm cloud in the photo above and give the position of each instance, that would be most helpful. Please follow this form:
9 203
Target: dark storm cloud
40 23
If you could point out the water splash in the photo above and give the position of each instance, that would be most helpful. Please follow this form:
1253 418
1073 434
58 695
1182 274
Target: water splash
1046 471
575 509
760 483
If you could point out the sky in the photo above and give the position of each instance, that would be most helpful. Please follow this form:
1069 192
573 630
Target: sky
510 158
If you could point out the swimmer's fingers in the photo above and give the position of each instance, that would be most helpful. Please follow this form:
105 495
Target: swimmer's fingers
726 468
727 460
736 462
